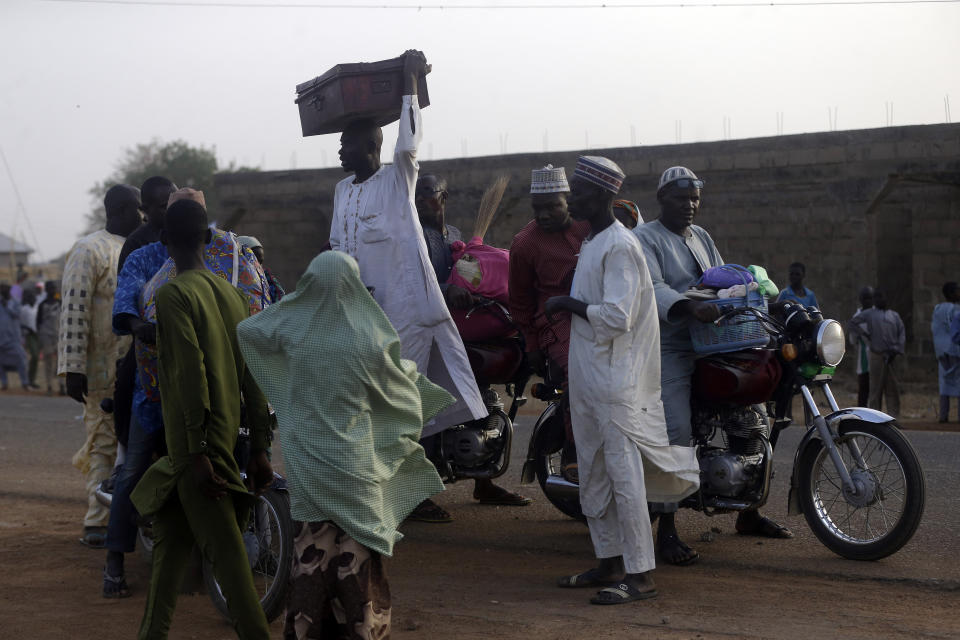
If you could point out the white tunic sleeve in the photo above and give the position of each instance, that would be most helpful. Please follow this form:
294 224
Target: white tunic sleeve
411 133
621 295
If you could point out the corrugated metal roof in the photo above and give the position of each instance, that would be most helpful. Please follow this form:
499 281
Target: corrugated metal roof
8 244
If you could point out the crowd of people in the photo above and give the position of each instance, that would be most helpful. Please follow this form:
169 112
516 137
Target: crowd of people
171 333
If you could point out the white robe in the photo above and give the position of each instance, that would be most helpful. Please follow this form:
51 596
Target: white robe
623 452
376 223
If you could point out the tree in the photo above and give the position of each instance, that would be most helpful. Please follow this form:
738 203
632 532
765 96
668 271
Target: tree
187 166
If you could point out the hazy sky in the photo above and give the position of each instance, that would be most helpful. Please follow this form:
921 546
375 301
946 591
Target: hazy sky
82 81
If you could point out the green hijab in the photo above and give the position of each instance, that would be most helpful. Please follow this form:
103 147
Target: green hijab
349 408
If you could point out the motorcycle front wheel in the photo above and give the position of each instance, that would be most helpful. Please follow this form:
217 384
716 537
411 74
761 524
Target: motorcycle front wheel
885 511
547 448
269 543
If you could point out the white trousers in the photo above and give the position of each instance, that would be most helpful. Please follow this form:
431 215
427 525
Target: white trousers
613 495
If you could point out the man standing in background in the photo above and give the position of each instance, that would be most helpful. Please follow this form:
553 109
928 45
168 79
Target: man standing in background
48 326
12 357
887 336
88 348
859 342
796 291
948 353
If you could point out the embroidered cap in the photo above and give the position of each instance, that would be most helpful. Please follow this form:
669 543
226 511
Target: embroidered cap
681 175
186 193
600 171
549 180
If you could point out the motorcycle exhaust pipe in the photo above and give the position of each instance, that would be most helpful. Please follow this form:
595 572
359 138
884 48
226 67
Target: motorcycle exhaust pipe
557 487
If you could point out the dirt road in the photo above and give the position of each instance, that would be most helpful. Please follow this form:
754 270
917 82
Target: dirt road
490 574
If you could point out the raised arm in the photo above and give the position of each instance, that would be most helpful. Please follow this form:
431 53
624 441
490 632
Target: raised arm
411 131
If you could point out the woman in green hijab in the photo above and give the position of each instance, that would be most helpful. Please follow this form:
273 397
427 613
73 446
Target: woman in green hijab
350 411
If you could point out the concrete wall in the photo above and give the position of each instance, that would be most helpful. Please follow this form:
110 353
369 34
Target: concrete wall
768 201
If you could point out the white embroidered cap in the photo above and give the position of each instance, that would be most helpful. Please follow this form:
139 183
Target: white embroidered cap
549 180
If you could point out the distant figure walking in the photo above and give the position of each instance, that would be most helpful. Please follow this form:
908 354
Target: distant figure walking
948 352
796 291
862 350
886 334
48 326
12 357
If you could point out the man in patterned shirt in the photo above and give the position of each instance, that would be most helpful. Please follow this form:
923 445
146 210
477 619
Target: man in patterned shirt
89 350
543 257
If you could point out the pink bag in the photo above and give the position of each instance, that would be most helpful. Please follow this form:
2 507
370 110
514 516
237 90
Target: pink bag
481 269
484 271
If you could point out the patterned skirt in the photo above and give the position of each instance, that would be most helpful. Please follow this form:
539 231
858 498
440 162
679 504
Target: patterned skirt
339 587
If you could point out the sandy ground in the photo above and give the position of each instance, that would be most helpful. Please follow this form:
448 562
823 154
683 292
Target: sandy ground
490 574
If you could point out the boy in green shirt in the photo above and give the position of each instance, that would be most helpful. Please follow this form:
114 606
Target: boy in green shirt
196 493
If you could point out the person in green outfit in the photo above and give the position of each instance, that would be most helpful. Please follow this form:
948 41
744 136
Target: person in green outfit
349 413
195 493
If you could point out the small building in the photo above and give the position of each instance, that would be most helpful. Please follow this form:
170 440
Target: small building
13 256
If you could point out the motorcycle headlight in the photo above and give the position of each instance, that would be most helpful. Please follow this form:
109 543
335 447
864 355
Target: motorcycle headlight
831 344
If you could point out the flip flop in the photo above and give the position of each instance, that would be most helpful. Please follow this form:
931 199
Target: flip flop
672 540
115 586
94 537
430 511
581 580
621 593
766 528
504 498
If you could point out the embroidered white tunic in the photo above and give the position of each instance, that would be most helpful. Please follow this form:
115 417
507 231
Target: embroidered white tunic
624 456
376 222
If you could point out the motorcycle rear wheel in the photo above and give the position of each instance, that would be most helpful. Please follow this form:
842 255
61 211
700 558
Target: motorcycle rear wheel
547 448
269 542
887 513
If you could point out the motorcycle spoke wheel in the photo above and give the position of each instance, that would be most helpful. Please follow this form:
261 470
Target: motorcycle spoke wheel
882 475
884 510
269 544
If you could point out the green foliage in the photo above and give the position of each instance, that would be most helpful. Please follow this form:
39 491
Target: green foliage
187 166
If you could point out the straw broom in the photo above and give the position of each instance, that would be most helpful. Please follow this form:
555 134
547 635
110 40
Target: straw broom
488 206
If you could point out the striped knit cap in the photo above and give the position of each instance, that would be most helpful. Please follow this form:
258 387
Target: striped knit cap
673 174
600 171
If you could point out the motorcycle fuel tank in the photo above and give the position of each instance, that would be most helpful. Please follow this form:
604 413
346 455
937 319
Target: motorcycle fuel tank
495 362
744 377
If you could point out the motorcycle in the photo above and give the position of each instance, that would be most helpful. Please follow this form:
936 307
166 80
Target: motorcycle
268 540
481 448
856 479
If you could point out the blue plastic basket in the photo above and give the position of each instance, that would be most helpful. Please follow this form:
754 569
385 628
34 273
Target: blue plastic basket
742 331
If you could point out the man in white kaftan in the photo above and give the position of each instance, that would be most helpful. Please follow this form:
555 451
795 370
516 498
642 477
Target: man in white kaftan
375 221
623 452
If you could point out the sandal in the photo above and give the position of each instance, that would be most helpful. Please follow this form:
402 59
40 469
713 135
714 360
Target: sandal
429 511
503 497
764 527
672 541
115 586
586 579
94 537
621 593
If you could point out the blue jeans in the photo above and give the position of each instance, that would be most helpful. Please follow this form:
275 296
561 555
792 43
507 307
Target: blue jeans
122 528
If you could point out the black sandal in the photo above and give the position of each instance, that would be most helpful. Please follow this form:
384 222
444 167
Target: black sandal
115 586
621 593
